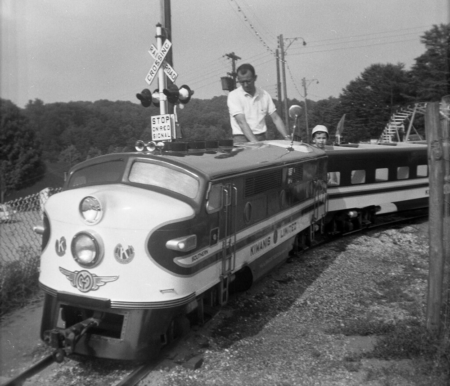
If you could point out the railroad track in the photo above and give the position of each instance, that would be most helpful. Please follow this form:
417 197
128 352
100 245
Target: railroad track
131 379
385 220
141 371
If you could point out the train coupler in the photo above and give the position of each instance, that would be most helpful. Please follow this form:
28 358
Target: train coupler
65 340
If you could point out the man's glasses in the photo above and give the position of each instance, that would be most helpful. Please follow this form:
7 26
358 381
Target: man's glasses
244 82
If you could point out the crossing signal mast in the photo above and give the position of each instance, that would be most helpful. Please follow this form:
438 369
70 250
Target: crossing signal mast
163 125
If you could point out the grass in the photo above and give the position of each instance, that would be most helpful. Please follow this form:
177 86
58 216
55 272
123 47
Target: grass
408 339
18 280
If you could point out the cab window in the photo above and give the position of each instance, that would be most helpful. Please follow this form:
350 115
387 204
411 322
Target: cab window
161 176
97 174
214 202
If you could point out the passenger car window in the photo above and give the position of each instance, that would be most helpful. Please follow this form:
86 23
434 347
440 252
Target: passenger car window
402 172
422 170
381 174
334 178
358 177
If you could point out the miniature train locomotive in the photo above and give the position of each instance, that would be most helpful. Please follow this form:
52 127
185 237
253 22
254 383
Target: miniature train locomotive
138 244
140 241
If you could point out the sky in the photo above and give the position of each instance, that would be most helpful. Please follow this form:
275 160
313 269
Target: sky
87 50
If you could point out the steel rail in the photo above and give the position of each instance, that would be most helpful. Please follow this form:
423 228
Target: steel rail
33 370
137 375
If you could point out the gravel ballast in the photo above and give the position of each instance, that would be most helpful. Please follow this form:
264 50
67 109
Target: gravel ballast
325 317
316 320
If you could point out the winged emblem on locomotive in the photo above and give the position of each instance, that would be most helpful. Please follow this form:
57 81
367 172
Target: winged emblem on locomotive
85 281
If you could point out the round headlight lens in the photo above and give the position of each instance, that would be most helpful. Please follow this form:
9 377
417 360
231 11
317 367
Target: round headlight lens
91 210
86 249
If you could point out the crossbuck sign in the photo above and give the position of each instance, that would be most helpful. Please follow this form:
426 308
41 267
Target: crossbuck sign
159 61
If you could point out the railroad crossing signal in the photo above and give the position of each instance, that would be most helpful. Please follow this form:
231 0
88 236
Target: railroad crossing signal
159 61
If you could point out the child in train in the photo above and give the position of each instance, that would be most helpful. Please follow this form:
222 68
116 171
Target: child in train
319 136
319 139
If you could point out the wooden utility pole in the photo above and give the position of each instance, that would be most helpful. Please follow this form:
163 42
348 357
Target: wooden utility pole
305 90
436 234
233 73
283 74
277 57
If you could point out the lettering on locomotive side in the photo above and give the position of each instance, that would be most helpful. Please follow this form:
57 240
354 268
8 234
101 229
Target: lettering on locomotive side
199 255
191 261
260 245
288 230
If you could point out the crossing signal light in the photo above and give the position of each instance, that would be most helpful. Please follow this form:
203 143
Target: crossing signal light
185 93
145 97
177 95
155 97
172 94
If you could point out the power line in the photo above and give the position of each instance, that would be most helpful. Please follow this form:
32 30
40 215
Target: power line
199 76
374 33
347 48
293 81
253 29
312 46
269 35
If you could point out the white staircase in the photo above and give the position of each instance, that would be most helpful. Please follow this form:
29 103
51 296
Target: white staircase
395 130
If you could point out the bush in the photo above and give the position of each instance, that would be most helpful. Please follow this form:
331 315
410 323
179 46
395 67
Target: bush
18 280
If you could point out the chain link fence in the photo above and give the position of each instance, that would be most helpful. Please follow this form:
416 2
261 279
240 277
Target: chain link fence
17 219
20 248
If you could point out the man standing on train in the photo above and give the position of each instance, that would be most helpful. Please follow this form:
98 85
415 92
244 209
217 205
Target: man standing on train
248 106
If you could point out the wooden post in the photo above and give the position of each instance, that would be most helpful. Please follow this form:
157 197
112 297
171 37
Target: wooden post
436 235
445 127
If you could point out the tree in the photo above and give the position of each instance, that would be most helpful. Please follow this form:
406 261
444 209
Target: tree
70 155
369 100
20 151
431 72
93 152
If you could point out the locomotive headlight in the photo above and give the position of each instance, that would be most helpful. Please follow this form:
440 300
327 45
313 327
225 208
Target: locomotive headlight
87 249
183 244
91 210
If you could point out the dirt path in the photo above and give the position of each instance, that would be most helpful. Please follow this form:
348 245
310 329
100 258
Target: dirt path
20 343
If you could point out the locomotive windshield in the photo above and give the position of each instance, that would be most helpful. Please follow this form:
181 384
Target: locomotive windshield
101 173
164 177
